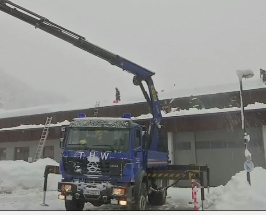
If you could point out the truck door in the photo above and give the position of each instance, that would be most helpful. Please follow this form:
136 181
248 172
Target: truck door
137 148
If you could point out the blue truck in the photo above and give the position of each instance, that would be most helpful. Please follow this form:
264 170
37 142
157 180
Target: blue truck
108 160
105 158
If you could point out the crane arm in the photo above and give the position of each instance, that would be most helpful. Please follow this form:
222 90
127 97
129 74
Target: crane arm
44 24
140 73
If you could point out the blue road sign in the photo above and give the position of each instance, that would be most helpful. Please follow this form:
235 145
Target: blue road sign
248 166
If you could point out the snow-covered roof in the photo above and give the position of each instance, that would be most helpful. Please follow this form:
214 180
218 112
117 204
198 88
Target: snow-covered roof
248 84
174 113
24 127
194 111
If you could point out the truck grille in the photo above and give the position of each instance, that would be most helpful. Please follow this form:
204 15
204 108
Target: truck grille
81 166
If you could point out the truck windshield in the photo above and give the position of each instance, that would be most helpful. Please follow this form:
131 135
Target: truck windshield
116 140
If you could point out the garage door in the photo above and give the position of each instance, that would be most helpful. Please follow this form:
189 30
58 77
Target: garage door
223 151
184 152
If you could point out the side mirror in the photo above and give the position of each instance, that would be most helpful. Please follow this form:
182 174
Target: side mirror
62 135
144 140
61 140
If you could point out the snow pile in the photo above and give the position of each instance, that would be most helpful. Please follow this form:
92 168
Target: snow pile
237 194
17 175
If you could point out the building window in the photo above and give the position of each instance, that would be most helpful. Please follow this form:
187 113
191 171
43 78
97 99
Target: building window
237 143
255 141
22 153
183 146
203 144
218 144
2 153
48 152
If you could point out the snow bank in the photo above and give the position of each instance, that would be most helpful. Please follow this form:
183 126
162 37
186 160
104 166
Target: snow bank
17 175
237 194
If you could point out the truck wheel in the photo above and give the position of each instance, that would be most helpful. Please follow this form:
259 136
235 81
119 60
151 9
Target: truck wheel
74 205
157 198
141 200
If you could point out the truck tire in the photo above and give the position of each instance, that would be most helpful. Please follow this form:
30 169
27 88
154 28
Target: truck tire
157 198
141 200
74 205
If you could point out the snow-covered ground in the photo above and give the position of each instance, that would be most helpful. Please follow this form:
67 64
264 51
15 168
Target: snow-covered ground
21 189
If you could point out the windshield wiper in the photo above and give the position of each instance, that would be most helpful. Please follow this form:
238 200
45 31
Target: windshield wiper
111 147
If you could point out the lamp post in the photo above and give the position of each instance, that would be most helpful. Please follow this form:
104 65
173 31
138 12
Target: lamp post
248 165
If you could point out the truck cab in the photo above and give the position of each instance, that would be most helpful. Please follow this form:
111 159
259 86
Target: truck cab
101 160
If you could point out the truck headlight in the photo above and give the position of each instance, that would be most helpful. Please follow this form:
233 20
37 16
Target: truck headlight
118 191
66 187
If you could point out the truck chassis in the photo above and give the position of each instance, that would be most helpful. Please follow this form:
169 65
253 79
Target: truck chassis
108 192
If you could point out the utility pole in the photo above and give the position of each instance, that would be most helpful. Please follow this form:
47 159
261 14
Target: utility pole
248 164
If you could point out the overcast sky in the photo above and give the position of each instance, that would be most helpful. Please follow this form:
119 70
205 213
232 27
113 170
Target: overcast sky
185 42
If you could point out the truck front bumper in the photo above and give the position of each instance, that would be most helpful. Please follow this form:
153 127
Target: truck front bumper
102 193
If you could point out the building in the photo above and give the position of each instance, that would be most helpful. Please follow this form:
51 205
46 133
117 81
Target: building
210 136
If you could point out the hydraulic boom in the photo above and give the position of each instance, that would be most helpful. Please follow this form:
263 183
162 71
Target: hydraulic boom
140 73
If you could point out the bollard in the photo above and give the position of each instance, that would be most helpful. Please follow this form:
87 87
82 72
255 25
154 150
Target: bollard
192 183
43 203
48 169
195 190
208 179
45 189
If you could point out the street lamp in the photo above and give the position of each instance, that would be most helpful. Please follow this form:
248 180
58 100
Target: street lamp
248 165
